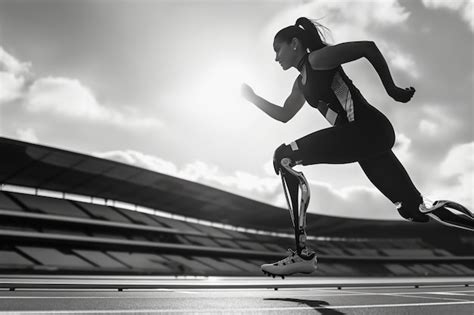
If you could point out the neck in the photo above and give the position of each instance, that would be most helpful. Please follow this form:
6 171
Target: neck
299 64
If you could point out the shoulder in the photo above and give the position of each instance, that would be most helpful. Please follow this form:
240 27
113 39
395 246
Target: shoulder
297 84
331 57
318 58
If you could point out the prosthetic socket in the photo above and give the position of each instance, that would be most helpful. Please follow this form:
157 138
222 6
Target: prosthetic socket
297 195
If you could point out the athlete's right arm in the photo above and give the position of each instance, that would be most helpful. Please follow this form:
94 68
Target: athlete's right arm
292 105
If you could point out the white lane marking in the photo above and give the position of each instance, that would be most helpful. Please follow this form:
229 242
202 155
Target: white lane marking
415 295
257 309
187 292
426 297
451 293
409 293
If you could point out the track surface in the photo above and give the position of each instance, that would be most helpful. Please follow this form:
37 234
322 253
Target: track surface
220 298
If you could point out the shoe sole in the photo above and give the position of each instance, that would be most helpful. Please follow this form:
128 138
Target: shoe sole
269 274
272 275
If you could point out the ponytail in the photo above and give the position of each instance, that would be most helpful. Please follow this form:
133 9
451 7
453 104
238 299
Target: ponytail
314 38
309 32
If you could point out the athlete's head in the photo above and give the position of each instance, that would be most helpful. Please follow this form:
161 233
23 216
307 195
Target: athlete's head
291 42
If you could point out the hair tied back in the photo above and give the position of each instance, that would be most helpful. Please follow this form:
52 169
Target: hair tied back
314 36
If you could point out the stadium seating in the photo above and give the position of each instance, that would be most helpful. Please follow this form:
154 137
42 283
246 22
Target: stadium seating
50 235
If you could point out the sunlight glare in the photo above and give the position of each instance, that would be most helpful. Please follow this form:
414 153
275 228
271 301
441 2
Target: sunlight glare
219 92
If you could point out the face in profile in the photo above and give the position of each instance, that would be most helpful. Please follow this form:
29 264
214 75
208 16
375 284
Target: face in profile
284 53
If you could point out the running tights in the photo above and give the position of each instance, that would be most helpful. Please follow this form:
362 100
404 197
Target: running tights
369 142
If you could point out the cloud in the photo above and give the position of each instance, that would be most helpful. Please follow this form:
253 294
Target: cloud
403 61
463 7
140 160
198 171
241 181
13 77
355 201
402 147
10 64
437 119
428 127
12 87
27 135
65 98
456 175
459 161
70 99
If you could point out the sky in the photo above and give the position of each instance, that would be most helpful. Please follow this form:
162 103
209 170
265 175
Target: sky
156 84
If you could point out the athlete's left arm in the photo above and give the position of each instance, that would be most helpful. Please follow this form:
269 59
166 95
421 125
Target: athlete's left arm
331 57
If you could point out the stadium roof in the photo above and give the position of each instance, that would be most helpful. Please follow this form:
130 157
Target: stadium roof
37 166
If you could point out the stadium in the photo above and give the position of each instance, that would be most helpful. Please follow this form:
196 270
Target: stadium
67 217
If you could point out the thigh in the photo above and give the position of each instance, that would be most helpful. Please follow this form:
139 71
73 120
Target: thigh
343 144
390 177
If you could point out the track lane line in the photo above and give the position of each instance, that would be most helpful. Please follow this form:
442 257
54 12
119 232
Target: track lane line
416 295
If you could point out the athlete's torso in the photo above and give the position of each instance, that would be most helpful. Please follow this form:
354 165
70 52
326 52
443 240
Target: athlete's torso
332 93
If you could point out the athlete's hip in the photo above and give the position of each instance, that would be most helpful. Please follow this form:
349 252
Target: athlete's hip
373 125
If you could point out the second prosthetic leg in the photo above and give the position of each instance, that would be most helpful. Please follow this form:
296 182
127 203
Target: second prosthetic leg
450 213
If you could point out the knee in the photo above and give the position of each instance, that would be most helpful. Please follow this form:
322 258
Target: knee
412 213
283 151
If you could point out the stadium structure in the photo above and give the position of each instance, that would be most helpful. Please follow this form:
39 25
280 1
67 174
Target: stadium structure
69 213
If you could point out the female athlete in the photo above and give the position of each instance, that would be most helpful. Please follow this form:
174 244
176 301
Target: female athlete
359 133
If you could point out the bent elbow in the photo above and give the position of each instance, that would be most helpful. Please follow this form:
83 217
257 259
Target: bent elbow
371 47
285 119
371 44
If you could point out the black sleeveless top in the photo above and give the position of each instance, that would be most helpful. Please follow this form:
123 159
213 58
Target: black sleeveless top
332 93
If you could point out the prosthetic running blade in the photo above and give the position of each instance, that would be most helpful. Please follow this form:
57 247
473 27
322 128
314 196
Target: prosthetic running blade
447 204
458 207
447 218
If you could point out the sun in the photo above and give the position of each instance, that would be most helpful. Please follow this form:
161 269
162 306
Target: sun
224 79
218 92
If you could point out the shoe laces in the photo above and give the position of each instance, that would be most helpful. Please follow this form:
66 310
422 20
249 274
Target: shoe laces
290 256
307 252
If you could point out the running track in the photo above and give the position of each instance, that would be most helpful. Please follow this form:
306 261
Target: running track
214 295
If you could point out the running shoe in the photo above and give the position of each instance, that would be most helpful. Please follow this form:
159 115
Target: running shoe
294 263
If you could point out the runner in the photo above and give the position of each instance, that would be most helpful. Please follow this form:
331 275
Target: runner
359 133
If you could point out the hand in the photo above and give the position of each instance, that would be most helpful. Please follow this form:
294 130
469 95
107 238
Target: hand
247 92
401 95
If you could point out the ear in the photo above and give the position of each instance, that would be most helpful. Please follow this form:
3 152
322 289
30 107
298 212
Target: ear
294 43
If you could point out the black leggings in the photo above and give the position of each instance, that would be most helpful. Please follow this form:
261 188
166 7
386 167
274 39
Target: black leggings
367 141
